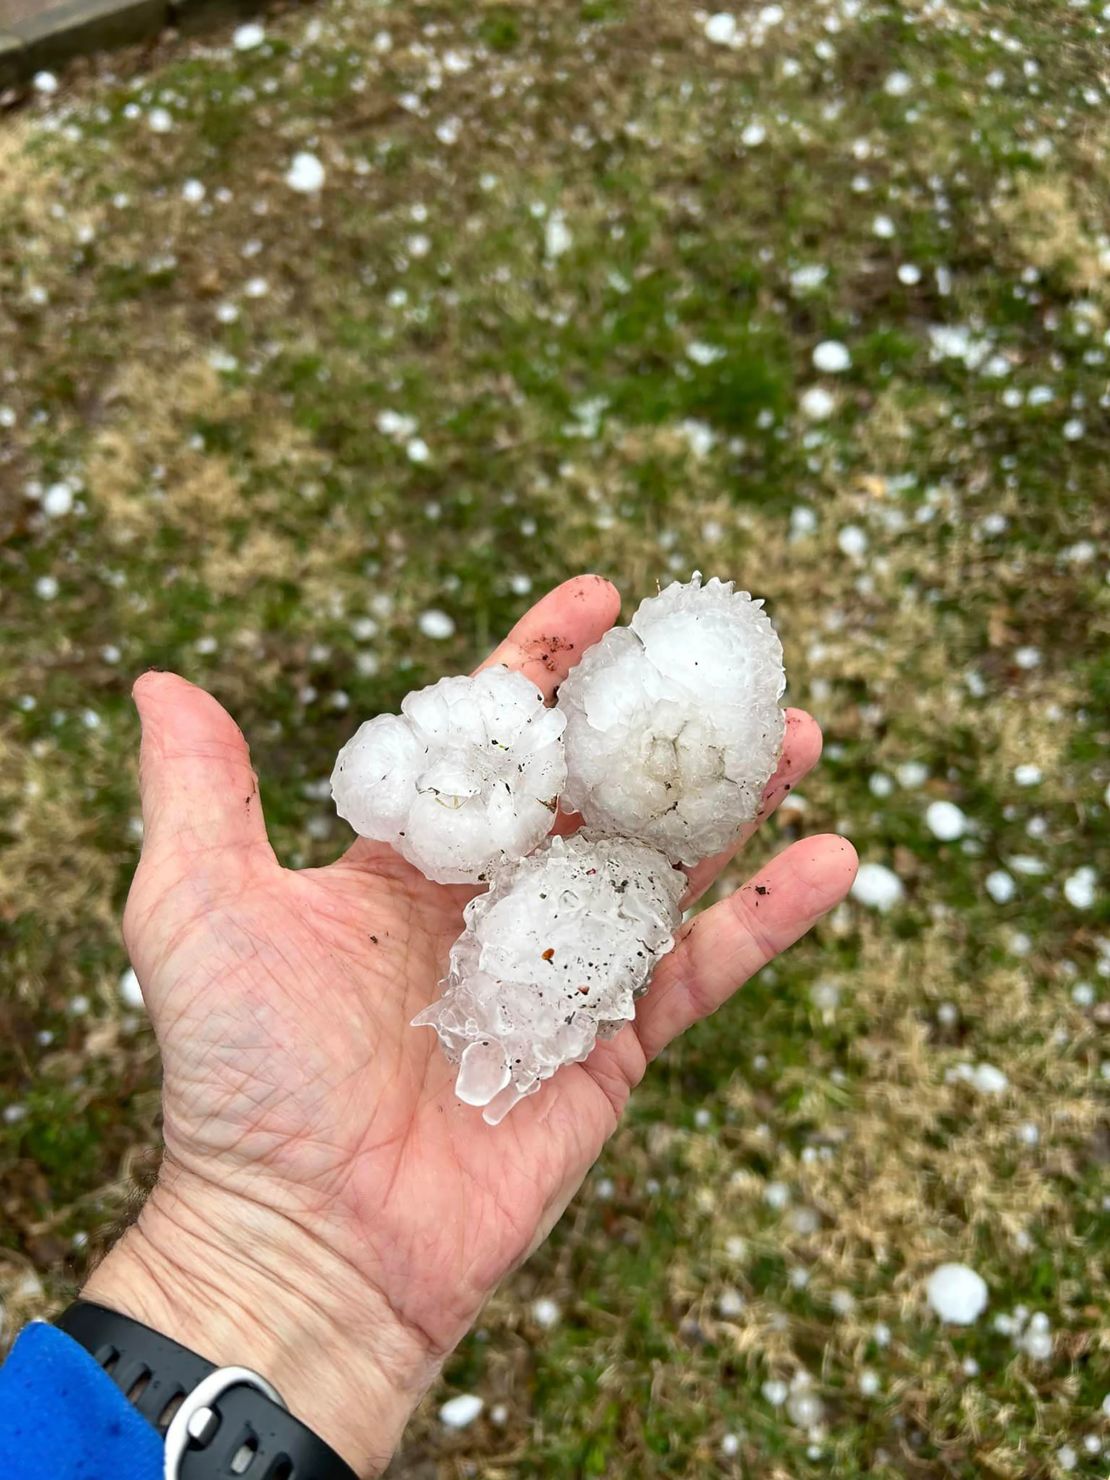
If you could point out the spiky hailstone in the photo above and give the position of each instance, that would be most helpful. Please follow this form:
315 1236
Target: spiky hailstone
553 956
465 777
673 723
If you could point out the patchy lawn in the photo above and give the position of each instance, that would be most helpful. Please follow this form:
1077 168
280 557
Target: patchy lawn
556 307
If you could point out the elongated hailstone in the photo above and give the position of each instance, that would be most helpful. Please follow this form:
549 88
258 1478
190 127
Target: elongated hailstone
552 958
673 723
465 777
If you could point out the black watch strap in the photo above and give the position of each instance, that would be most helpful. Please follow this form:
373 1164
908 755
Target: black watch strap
246 1434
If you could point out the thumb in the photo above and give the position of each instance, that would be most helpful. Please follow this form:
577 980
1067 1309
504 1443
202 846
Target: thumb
199 793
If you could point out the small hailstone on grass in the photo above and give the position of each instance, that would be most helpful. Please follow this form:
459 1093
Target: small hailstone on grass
57 500
803 1405
673 723
435 624
460 1412
831 357
852 541
45 83
305 174
956 1293
1079 888
817 403
556 236
945 821
1001 886
877 886
545 1313
464 777
730 1303
721 28
552 958
1028 774
248 36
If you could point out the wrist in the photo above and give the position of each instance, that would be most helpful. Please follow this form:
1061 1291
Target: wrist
241 1285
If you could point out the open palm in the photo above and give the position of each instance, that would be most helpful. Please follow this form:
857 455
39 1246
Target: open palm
303 1116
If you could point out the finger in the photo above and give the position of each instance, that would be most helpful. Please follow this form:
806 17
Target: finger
801 750
721 948
550 638
199 793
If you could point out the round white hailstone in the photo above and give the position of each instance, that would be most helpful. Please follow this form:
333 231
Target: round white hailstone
1001 886
248 36
721 28
131 994
730 1445
831 357
673 723
1028 774
545 1313
305 174
957 1294
817 403
193 191
466 776
160 120
877 886
45 83
1066 1457
869 1382
898 84
1079 888
552 957
435 624
775 1391
945 821
852 541
57 500
460 1412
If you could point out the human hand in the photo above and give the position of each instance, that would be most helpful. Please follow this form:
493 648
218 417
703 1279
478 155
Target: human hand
327 1212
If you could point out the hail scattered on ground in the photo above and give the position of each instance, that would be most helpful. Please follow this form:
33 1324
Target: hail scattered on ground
327 342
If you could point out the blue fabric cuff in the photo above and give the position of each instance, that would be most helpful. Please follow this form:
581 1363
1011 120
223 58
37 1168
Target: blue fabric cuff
62 1418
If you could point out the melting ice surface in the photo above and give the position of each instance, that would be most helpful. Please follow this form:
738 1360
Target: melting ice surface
465 777
674 724
552 957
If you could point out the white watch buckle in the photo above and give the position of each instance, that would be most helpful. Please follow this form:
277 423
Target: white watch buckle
196 1420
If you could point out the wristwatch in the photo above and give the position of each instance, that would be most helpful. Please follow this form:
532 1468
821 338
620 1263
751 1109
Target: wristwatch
217 1421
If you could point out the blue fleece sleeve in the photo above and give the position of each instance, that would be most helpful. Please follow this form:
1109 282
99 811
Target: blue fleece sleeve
62 1418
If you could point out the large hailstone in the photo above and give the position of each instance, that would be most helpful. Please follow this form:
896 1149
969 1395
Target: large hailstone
465 777
673 723
552 957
